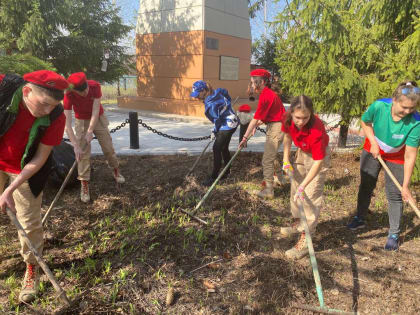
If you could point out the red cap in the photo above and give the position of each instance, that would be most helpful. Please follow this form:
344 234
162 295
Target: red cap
77 79
245 108
260 73
1 77
48 79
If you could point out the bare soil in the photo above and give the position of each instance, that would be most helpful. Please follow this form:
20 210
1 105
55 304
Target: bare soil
123 252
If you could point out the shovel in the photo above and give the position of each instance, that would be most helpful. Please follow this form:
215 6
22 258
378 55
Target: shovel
411 202
61 294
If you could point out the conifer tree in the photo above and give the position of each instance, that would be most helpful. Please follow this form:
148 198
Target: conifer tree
72 34
347 53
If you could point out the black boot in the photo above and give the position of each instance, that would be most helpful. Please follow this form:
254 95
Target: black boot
209 181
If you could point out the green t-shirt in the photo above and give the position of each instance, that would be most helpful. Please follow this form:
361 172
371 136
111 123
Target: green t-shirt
392 136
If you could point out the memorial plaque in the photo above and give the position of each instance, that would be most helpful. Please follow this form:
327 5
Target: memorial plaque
229 68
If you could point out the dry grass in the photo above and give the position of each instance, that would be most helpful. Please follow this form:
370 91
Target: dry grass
122 252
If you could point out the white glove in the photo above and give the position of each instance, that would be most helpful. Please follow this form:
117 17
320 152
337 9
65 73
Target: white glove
213 135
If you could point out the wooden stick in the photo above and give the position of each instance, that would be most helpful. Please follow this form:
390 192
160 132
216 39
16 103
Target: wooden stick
201 267
59 192
42 264
410 202
198 159
194 217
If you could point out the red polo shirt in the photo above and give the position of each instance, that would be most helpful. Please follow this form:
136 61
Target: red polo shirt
313 139
270 107
13 142
83 105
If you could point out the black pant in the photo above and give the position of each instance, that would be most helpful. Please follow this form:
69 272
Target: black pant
242 131
221 149
369 172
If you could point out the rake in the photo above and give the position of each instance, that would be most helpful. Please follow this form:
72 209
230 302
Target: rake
204 198
411 202
61 293
322 308
205 148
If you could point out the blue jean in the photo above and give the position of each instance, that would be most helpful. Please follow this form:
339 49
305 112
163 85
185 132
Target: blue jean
369 172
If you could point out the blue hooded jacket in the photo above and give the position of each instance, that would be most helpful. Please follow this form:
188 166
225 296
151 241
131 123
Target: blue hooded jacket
218 110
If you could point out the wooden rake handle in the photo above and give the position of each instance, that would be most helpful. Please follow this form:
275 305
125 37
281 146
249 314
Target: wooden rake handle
38 258
411 202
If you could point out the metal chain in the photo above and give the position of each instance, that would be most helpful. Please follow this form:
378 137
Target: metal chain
169 136
262 130
111 131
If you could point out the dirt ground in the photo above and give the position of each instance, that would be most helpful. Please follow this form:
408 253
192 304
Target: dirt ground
123 252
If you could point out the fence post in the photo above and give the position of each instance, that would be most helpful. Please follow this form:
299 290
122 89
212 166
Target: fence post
134 130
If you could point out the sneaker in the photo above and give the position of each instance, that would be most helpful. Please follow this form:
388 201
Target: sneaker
267 192
299 250
30 285
84 191
286 231
356 223
118 177
392 242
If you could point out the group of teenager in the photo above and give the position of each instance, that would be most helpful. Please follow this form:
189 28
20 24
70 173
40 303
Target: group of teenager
391 127
32 122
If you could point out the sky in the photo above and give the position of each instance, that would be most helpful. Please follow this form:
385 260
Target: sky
129 9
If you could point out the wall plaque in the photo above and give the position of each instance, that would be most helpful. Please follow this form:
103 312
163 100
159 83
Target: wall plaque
229 68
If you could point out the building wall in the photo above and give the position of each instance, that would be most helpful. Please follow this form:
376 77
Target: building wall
171 46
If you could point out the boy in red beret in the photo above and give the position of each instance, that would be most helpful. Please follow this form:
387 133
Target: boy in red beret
270 111
85 99
31 123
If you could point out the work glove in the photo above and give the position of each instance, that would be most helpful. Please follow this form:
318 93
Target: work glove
288 168
300 192
213 136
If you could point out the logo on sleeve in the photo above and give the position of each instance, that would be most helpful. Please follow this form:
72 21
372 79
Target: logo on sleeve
394 136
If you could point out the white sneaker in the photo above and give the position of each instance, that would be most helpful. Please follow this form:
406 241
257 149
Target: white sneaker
118 177
84 191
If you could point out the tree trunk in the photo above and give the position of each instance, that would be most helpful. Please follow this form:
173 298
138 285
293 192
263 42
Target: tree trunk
342 136
118 87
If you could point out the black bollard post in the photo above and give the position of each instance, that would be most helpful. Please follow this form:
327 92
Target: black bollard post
134 130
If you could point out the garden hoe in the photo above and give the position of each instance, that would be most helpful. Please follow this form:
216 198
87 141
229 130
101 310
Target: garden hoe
322 308
192 213
61 294
411 202
60 191
205 148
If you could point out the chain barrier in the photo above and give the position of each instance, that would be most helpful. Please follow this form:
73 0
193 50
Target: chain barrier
111 131
262 130
169 136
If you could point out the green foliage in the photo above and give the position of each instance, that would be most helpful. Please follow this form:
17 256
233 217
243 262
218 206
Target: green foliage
345 54
264 52
254 6
21 64
73 35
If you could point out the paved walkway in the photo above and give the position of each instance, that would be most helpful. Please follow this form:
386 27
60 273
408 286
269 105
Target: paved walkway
175 125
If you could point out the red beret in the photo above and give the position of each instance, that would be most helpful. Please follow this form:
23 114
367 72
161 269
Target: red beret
48 79
1 77
245 108
260 73
77 79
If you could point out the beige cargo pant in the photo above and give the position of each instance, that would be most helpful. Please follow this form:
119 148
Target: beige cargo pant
313 192
272 143
105 141
28 212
